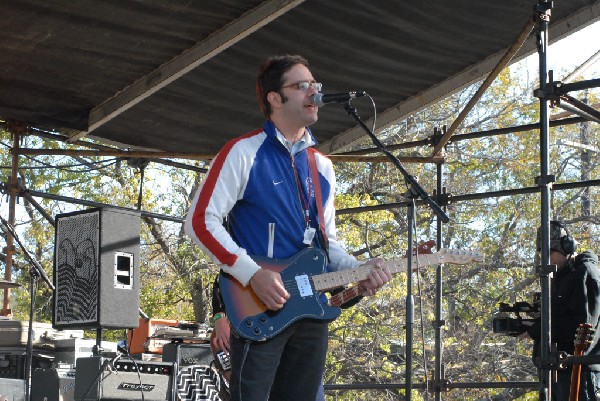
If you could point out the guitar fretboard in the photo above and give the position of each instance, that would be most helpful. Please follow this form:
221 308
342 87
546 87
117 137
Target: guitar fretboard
348 294
331 280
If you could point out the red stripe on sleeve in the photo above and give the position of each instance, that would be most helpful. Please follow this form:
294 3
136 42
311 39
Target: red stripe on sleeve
199 216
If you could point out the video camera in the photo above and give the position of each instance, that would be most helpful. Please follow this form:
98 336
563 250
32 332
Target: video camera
504 324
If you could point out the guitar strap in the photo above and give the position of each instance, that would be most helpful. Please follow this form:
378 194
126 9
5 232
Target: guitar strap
319 199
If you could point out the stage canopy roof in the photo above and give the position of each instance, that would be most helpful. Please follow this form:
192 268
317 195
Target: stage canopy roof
178 76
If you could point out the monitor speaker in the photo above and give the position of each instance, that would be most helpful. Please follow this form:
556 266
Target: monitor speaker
96 269
98 378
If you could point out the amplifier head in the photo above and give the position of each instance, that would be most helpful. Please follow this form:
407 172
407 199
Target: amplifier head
188 354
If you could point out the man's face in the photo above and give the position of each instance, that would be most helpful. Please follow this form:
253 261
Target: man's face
296 107
557 258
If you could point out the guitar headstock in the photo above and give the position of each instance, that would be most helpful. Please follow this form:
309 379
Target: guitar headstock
459 256
583 337
424 248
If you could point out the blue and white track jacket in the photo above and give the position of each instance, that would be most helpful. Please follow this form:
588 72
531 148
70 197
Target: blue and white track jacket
251 181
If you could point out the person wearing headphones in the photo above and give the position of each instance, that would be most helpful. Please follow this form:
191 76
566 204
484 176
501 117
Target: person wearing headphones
575 300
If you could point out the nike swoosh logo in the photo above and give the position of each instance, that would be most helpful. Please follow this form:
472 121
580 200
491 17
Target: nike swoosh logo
277 183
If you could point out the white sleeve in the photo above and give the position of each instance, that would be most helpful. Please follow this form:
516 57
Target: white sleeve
222 187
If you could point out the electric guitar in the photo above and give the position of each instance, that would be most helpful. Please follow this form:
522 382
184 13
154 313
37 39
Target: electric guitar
583 338
348 294
305 280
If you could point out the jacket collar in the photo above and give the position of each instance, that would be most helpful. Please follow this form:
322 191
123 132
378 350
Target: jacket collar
271 131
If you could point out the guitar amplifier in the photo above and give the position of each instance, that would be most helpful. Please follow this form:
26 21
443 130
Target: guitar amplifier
98 378
55 384
187 354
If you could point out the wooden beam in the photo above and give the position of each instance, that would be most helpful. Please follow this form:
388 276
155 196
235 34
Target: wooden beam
172 70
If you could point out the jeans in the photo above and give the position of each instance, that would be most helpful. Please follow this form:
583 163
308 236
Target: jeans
287 367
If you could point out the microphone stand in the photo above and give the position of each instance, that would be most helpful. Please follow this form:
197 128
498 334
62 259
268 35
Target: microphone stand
414 191
35 272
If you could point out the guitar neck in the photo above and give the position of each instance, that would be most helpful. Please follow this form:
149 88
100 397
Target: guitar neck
346 295
331 280
583 338
575 381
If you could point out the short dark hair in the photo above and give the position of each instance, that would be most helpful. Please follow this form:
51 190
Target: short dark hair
270 77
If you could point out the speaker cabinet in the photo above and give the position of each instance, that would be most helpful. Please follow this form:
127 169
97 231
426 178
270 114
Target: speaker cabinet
187 354
98 378
53 384
96 269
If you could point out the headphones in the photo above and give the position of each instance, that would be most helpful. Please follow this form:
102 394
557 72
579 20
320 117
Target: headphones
566 241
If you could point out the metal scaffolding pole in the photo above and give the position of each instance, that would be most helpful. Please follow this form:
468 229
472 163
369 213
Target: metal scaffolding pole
543 12
438 374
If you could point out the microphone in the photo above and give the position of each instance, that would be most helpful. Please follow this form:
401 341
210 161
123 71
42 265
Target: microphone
320 99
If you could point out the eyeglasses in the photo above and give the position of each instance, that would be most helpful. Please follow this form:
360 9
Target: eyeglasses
304 85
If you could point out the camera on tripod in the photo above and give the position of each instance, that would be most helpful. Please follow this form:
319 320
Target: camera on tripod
507 325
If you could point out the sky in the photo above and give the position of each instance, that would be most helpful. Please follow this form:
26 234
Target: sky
572 51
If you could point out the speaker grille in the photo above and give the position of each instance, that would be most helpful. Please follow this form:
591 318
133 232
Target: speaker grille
96 269
77 249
